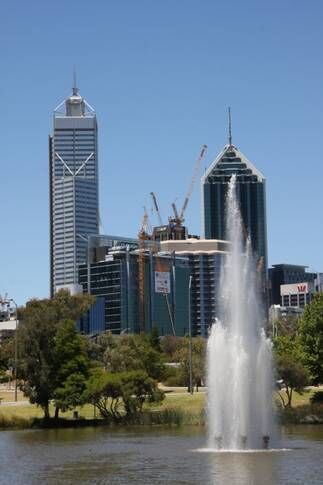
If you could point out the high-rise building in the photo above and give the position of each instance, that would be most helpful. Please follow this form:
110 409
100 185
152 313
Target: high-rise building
73 168
251 191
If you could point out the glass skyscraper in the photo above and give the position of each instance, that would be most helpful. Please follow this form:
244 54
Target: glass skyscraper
251 192
73 168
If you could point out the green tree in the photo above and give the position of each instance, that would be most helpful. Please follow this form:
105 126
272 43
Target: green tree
7 352
198 360
311 337
38 361
112 392
290 369
72 366
103 390
294 375
133 352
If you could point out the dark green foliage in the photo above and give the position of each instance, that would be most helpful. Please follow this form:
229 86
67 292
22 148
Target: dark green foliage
7 352
45 349
289 355
294 375
133 352
153 339
71 364
317 398
311 337
121 392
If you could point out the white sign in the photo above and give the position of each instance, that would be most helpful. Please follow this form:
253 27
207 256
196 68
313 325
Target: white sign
162 282
294 289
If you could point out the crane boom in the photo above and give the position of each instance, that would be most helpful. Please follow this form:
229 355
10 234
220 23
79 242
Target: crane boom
195 173
175 210
153 196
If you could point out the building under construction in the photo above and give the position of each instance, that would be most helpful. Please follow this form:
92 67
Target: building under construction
112 275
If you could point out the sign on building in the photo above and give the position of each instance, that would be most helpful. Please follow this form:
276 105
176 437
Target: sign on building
162 282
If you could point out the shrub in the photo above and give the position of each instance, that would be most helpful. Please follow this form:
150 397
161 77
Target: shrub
317 398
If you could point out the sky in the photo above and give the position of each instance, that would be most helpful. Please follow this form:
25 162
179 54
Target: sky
161 75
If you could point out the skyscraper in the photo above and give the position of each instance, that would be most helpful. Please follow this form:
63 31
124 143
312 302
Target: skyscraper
251 188
73 169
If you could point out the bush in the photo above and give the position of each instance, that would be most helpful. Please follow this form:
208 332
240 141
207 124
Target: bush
317 398
4 378
174 377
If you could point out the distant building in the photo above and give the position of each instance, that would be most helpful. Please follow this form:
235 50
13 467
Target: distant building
278 312
73 169
318 282
286 274
251 192
297 294
205 259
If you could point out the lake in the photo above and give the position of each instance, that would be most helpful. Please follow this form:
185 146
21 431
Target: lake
154 456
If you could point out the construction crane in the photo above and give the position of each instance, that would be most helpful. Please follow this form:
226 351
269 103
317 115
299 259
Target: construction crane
153 196
179 218
144 234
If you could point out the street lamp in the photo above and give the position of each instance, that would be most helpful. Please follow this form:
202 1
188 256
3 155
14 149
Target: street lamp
190 335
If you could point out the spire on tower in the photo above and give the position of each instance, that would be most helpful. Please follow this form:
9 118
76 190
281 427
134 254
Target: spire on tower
75 88
230 132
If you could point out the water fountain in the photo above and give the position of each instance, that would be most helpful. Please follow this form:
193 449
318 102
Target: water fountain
238 353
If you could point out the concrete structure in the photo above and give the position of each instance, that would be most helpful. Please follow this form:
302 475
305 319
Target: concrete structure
286 274
205 259
251 192
73 169
8 328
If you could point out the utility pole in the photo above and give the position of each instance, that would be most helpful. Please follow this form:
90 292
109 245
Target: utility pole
190 335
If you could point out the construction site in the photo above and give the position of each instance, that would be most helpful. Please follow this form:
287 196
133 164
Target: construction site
164 278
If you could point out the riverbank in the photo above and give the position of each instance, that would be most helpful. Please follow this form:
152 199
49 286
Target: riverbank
178 408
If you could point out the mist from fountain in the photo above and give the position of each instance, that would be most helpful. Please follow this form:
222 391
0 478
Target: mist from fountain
239 356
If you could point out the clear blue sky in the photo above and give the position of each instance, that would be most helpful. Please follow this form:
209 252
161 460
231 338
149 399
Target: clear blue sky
160 75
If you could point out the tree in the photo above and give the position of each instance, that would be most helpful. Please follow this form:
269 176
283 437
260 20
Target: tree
198 361
294 376
133 352
290 369
108 391
311 337
38 359
72 366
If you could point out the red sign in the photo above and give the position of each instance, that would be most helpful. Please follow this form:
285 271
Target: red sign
302 288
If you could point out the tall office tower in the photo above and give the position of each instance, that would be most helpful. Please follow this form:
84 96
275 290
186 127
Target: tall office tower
73 168
251 188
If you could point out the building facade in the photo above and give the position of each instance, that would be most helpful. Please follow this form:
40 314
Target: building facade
113 275
73 169
286 274
251 192
297 294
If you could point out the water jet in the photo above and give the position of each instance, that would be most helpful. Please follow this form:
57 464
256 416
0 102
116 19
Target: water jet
239 356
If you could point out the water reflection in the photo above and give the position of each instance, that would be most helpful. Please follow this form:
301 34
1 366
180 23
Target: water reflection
242 468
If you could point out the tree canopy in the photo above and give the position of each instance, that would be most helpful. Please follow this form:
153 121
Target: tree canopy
52 357
311 337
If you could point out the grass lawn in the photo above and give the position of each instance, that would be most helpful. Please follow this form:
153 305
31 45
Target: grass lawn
178 400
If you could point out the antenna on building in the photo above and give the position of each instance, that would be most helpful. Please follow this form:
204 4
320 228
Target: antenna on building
75 88
230 131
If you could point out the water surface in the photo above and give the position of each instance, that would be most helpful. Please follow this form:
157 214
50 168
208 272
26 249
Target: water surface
153 456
